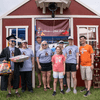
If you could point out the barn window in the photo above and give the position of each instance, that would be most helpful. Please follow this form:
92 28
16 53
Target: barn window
19 31
91 33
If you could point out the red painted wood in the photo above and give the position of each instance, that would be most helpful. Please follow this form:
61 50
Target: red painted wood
17 22
30 8
84 21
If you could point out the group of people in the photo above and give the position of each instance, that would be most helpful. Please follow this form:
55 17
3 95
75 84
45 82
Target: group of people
62 62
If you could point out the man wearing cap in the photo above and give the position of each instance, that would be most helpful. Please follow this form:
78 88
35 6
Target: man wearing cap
37 47
10 52
72 61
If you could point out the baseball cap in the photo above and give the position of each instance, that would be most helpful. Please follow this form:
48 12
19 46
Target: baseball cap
61 42
70 38
24 41
38 36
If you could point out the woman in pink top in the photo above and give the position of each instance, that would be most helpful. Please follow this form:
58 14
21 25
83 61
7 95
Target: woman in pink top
58 63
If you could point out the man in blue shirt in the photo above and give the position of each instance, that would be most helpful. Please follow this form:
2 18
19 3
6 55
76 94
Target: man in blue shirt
37 47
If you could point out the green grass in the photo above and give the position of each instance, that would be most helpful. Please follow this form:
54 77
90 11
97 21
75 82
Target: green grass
40 94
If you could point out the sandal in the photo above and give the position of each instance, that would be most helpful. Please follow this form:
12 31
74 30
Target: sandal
45 89
38 86
49 88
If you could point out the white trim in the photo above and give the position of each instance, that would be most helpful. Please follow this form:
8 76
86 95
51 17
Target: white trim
33 45
16 26
25 1
97 34
6 36
96 26
87 25
89 8
49 16
1 35
26 34
78 36
72 28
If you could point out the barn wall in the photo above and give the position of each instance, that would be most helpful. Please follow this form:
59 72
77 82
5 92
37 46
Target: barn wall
83 21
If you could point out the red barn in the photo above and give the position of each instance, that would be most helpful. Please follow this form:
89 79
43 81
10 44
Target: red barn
75 16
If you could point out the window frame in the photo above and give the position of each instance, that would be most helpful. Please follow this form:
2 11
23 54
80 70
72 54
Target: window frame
87 26
17 27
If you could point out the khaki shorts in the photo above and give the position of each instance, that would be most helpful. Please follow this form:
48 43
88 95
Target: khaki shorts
36 68
86 73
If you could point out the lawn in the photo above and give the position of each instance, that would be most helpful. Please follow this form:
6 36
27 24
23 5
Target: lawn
40 94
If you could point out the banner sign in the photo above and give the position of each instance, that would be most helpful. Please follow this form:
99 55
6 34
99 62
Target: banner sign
52 27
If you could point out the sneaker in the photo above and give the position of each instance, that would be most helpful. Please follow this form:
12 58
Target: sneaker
74 91
85 89
68 90
87 93
8 95
54 93
23 91
17 94
62 92
31 91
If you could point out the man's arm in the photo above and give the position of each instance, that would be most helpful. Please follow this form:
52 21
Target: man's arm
92 58
77 57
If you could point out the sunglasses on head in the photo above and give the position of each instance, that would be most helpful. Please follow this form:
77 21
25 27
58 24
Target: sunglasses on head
13 41
44 44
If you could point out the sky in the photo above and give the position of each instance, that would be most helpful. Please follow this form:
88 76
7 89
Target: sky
6 5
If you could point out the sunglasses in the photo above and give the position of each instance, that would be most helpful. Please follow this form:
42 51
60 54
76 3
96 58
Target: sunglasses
44 44
13 41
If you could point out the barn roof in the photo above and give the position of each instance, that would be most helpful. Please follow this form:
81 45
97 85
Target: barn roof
26 1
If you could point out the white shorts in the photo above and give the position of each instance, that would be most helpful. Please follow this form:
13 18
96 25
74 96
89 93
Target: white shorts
58 75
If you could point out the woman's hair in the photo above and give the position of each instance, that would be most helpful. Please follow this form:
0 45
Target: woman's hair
60 49
41 45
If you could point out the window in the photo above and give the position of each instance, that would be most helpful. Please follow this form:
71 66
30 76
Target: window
21 33
91 33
